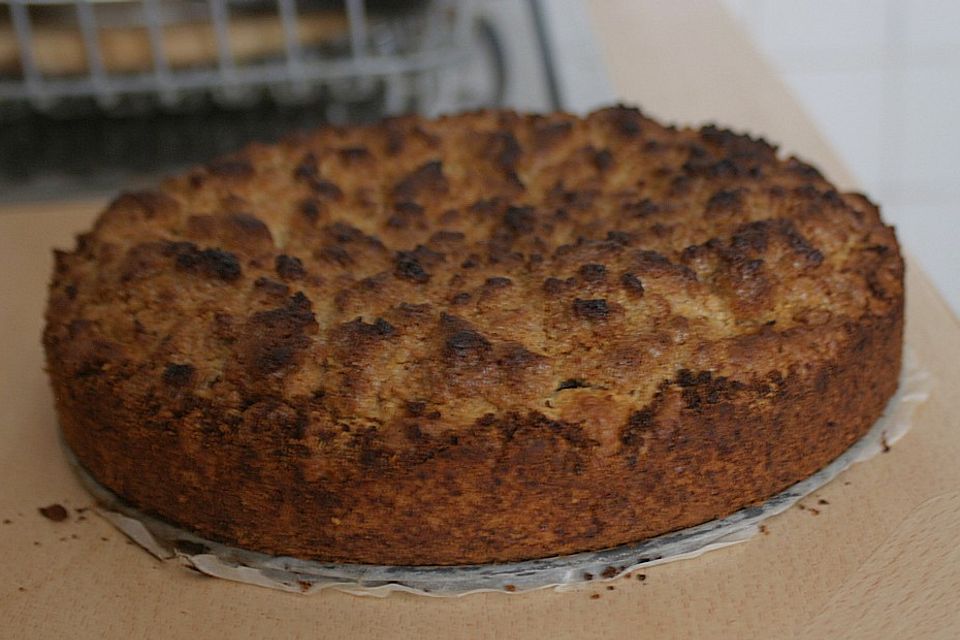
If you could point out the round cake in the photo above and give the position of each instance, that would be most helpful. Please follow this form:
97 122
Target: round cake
483 338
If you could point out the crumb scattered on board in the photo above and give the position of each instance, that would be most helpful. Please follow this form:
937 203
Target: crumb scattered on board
54 512
611 572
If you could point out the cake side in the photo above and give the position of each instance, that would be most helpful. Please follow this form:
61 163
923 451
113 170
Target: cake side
485 338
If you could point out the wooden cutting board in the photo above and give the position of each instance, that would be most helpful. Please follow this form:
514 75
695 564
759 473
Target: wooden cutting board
879 559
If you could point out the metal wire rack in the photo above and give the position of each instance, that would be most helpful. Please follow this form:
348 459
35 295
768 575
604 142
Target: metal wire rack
108 90
170 51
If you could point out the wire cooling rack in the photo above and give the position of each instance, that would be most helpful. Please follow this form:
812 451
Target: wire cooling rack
109 51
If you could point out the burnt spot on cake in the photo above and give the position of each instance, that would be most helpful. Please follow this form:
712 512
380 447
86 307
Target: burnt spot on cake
632 284
555 286
325 189
358 331
642 208
703 388
639 427
445 237
466 344
307 171
755 238
289 267
802 169
351 341
572 383
594 309
248 224
602 159
141 261
407 266
354 155
211 262
311 209
625 122
408 208
271 287
550 133
273 340
738 144
339 236
276 421
519 220
503 149
575 199
621 238
487 206
415 408
725 201
427 178
532 439
342 233
592 272
178 375
415 312
496 282
513 357
405 214
653 263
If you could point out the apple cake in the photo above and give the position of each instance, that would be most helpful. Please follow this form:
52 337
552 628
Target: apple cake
481 338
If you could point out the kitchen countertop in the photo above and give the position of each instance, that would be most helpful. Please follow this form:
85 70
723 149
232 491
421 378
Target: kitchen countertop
879 559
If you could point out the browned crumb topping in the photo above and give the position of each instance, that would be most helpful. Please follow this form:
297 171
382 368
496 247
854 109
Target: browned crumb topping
488 257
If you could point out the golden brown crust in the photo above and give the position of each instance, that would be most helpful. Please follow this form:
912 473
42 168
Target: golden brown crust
481 338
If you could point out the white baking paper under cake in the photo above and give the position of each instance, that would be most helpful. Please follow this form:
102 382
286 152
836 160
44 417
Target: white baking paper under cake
168 542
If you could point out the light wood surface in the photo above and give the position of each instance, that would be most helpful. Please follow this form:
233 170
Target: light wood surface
879 560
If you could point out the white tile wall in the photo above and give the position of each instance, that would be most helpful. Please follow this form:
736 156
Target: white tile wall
882 79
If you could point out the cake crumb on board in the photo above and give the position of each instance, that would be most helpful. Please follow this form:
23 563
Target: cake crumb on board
54 512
